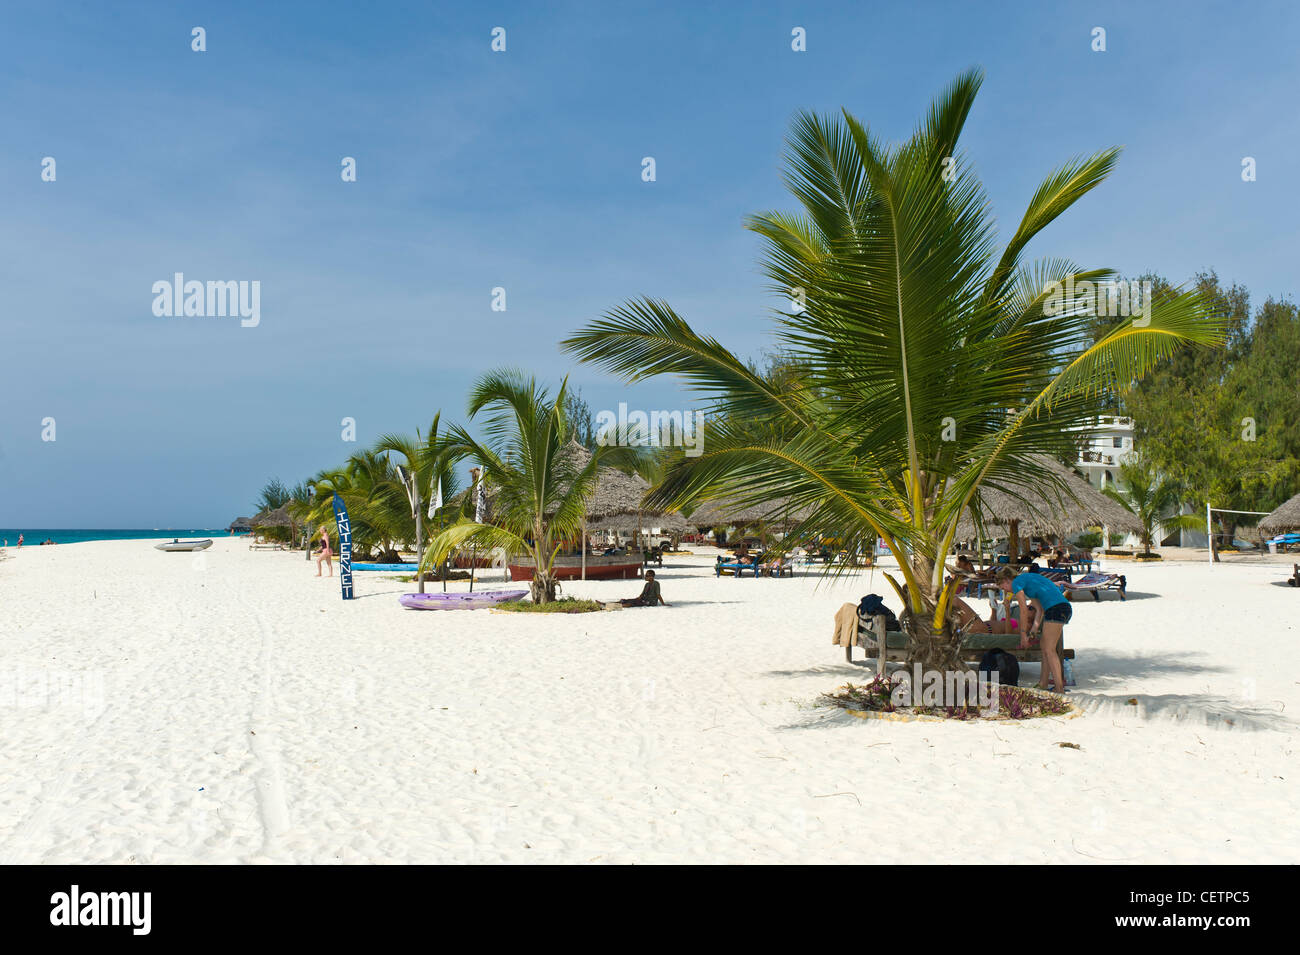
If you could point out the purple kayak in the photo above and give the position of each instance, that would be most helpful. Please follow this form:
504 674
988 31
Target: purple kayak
466 601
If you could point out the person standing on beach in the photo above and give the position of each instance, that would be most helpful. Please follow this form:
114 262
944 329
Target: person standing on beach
20 540
325 553
1052 613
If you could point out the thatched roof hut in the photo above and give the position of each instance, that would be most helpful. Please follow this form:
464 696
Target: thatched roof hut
668 523
616 493
1075 506
1285 518
240 525
276 518
777 512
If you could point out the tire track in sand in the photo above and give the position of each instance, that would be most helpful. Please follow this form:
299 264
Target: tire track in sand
263 743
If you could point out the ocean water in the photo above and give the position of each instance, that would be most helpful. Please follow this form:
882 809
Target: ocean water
69 535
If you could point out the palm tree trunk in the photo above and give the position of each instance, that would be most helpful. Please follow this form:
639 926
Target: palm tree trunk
419 545
933 650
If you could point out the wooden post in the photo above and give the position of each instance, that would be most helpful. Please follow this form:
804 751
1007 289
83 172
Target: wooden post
584 547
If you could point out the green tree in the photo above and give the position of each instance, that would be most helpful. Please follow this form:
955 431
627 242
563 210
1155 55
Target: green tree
1153 500
428 463
273 495
540 478
936 367
1224 425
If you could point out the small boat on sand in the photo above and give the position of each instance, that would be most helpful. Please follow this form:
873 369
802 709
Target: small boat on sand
181 546
466 601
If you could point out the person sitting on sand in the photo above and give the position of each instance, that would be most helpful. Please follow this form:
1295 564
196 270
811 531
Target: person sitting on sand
325 553
1052 613
649 596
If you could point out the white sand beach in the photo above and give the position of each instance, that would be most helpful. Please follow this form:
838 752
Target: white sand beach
228 707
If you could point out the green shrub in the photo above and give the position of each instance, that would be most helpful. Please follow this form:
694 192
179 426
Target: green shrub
562 605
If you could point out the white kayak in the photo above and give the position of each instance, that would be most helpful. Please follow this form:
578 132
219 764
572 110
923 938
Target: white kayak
180 545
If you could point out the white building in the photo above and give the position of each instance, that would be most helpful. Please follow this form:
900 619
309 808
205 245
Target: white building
1110 445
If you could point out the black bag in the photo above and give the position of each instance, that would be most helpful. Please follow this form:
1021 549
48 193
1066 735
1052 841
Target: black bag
1006 665
871 605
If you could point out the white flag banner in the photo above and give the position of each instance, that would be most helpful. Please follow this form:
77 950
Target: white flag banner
436 502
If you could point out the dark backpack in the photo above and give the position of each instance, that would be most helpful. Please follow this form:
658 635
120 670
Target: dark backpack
1006 665
871 605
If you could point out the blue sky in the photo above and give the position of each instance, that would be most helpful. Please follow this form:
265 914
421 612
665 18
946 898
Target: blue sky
522 170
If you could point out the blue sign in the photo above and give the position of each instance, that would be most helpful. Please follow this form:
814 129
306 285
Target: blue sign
345 546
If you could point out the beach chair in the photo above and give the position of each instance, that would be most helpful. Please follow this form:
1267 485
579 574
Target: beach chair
884 645
1294 579
778 568
1095 583
737 568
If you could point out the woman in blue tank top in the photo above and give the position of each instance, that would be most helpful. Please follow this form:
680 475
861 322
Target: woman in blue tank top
1051 613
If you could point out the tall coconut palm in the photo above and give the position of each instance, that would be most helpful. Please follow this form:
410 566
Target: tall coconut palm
429 464
932 364
1153 500
539 487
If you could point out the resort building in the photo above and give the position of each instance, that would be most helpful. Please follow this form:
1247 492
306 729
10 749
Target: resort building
1110 445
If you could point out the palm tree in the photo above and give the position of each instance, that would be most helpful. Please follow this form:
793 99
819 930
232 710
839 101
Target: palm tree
375 497
931 366
1148 495
429 465
540 486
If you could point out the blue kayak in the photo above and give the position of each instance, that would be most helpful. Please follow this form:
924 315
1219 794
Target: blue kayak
365 566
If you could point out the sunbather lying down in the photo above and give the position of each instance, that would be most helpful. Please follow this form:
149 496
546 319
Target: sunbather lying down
970 621
649 596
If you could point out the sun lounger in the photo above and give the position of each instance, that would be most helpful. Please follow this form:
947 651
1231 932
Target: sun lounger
1094 583
873 638
1056 574
735 568
777 569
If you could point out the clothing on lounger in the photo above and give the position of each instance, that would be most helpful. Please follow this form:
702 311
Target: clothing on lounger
1039 588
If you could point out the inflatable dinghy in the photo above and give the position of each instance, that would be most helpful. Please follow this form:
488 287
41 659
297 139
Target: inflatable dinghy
464 601
181 546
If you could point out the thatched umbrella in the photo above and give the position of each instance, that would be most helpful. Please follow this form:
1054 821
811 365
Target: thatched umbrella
1285 518
1073 507
240 525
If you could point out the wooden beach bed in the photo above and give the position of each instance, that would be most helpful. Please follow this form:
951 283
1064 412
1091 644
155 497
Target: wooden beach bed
875 639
